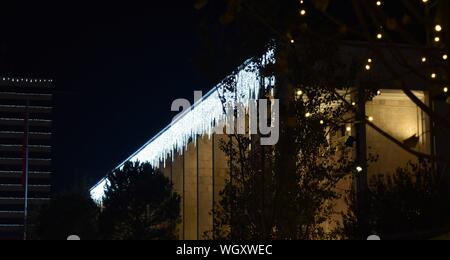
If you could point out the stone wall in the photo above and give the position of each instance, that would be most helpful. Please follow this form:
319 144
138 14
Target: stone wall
393 112
199 175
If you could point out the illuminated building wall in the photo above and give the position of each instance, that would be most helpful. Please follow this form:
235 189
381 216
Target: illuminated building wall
15 94
199 175
396 114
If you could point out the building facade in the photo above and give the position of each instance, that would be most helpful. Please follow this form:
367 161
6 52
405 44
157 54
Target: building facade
189 153
25 150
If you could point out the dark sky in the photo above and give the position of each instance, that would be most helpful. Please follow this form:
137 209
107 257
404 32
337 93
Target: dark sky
117 66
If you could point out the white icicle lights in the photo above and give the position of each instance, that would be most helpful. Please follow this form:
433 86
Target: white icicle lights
202 118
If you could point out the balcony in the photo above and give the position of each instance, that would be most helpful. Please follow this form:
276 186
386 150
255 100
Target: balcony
20 135
11 214
21 122
23 109
20 148
11 228
19 161
20 188
25 96
18 174
21 201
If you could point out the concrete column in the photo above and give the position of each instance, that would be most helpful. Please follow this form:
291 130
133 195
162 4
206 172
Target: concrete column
167 168
205 184
190 193
178 184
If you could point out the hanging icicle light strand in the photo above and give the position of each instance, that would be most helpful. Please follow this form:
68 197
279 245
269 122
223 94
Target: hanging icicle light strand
201 119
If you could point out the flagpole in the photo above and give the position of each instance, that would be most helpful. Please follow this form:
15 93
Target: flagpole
26 171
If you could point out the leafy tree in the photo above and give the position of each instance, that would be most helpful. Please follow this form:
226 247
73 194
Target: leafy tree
411 204
405 42
139 204
65 215
289 191
401 44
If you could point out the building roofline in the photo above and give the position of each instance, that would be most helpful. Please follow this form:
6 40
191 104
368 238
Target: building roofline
25 82
179 117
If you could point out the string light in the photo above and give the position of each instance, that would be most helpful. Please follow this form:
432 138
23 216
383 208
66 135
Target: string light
368 66
200 120
302 10
203 116
26 80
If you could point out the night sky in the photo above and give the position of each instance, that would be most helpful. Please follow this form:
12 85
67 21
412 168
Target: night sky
117 69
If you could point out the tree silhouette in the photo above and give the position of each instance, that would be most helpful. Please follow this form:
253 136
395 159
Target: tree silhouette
288 191
68 214
139 204
411 204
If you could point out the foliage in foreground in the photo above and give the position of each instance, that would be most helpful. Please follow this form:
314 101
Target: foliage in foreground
68 214
411 204
139 204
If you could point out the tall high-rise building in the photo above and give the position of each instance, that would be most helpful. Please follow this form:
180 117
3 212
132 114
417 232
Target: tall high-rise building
25 151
